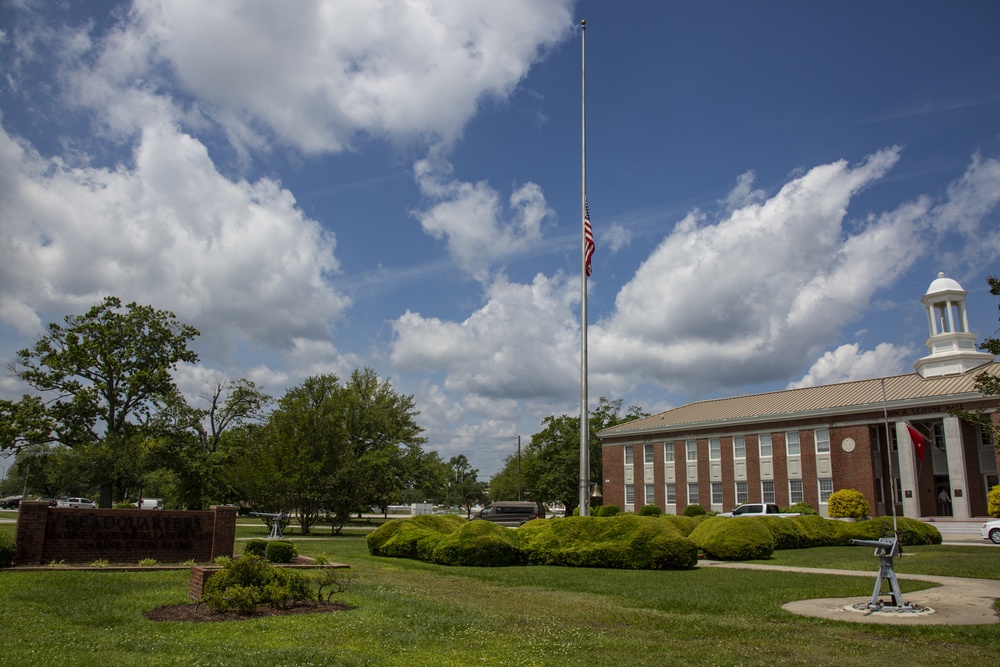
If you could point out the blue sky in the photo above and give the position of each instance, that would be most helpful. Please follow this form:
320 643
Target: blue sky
324 186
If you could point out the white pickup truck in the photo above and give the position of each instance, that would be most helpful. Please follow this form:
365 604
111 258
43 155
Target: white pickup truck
757 509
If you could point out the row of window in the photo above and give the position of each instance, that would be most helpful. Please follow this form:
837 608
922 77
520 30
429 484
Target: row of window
821 437
795 493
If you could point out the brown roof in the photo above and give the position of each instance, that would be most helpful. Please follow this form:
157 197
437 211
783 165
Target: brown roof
832 399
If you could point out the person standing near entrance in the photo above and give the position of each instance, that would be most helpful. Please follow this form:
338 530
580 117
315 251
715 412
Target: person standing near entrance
944 503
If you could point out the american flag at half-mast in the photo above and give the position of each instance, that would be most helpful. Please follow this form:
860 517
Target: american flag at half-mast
588 234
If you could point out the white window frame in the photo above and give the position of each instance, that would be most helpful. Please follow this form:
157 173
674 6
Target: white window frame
647 453
716 493
649 495
739 447
630 494
766 495
668 452
764 440
793 445
670 493
742 493
794 484
825 487
691 450
693 498
822 438
714 449
629 455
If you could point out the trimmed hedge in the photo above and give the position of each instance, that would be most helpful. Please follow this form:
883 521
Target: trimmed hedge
725 538
255 547
416 537
683 524
626 541
478 543
650 510
280 551
694 510
608 510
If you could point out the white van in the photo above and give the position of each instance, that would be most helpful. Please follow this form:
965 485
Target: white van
151 504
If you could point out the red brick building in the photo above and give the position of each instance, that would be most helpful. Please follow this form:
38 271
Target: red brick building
801 445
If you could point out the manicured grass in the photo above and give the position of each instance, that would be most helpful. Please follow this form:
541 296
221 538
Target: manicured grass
412 613
978 562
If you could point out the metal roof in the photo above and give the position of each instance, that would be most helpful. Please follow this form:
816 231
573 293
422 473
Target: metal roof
832 399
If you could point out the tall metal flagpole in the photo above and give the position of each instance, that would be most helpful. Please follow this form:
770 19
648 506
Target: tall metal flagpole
888 449
584 421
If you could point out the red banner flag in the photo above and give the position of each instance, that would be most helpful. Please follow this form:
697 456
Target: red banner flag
918 441
588 234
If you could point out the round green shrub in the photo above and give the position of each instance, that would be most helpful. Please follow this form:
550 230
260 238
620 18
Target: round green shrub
280 551
7 549
694 510
726 538
650 510
255 547
847 503
786 532
800 508
478 544
608 510
993 501
249 581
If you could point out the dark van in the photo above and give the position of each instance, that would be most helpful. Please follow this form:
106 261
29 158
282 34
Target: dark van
511 512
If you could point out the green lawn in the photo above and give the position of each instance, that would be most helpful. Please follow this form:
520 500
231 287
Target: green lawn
410 613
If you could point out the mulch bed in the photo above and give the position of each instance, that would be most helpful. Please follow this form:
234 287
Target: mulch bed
201 613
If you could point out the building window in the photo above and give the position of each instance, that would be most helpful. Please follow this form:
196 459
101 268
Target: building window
985 437
668 452
650 495
647 454
822 437
764 439
714 449
767 491
741 493
693 493
898 483
716 493
825 489
739 447
629 494
795 491
671 494
792 443
692 450
879 494
893 439
628 455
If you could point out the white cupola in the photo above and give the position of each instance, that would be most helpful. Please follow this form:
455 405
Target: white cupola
952 347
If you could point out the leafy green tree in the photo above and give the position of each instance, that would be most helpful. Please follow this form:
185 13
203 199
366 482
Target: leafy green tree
103 374
506 484
551 467
463 487
426 478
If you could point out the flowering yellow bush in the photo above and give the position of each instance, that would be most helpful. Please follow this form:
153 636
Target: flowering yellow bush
847 503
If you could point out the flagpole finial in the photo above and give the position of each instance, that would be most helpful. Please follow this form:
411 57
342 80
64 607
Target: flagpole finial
583 23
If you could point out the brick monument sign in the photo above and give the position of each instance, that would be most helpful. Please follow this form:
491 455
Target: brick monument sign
45 534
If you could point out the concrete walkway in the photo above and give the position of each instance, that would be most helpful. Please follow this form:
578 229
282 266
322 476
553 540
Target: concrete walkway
956 601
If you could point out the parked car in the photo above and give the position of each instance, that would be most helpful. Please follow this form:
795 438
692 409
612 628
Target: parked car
511 512
991 531
10 503
78 502
757 509
51 501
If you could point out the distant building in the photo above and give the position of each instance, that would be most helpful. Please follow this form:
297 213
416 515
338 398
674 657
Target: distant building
801 445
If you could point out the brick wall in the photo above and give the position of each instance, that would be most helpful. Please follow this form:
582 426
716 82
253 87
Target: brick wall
45 534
